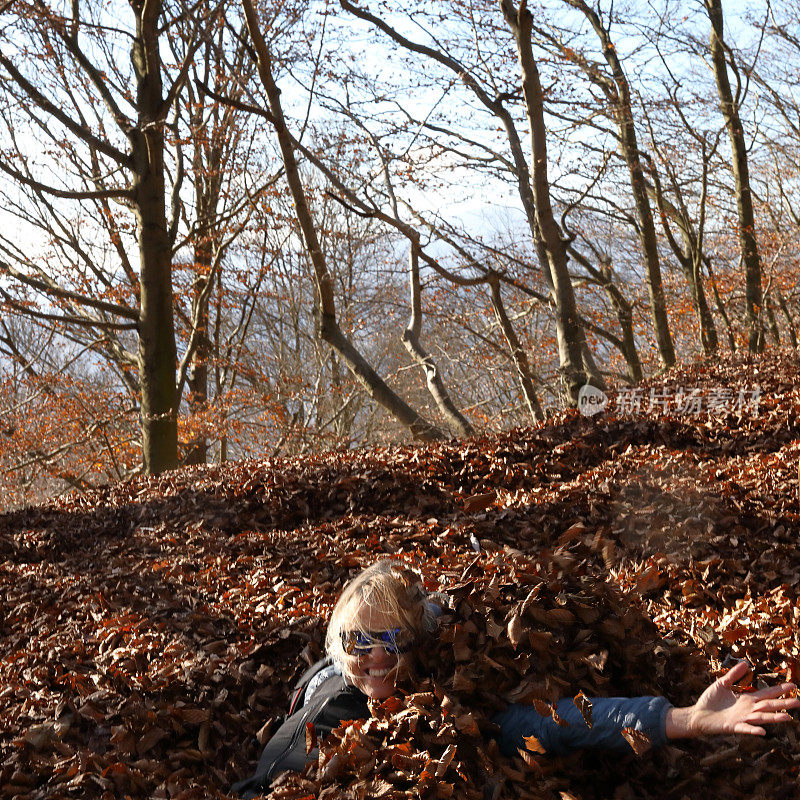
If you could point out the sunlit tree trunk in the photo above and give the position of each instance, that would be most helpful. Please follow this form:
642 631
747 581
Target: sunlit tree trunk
207 181
603 274
411 340
689 251
729 105
518 355
157 351
721 307
788 317
570 331
690 258
620 96
197 379
110 154
771 321
708 329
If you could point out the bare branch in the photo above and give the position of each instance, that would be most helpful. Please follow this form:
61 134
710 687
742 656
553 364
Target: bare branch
46 105
77 194
45 284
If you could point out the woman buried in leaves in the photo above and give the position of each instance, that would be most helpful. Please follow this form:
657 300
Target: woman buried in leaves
384 619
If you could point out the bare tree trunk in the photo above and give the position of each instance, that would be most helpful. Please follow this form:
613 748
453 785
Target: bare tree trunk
788 317
411 341
773 324
570 338
622 308
690 254
721 308
157 351
619 94
569 331
648 239
329 329
708 329
744 200
518 355
693 275
593 374
207 181
691 271
624 311
197 380
219 380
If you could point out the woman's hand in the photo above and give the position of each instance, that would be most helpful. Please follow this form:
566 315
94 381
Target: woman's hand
721 710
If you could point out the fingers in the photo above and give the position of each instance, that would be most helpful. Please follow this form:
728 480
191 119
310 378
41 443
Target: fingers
779 704
753 730
774 718
734 674
774 691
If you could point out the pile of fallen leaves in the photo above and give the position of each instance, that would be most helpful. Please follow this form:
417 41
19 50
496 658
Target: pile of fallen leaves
150 631
518 631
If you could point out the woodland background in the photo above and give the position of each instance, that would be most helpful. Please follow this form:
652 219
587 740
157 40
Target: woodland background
243 229
313 231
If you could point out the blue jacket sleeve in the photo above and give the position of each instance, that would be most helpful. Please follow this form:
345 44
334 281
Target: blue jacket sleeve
609 716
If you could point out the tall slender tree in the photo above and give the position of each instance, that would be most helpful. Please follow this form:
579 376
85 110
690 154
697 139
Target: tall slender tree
617 90
106 125
550 245
571 336
729 103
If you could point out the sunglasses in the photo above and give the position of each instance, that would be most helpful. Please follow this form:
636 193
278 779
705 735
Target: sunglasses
395 640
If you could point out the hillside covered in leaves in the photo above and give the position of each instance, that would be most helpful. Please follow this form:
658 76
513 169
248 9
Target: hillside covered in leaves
150 632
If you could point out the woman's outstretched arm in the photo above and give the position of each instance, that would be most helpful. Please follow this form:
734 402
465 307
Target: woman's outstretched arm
721 710
718 710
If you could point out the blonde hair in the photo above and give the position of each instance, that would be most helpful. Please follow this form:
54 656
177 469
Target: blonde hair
389 588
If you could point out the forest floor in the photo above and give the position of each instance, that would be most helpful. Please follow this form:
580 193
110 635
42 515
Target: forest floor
150 631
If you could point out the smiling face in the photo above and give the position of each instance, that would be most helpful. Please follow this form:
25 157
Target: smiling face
385 606
376 670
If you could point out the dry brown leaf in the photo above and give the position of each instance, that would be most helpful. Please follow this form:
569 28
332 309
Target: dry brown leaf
638 740
533 744
584 705
478 502
311 737
149 740
515 630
